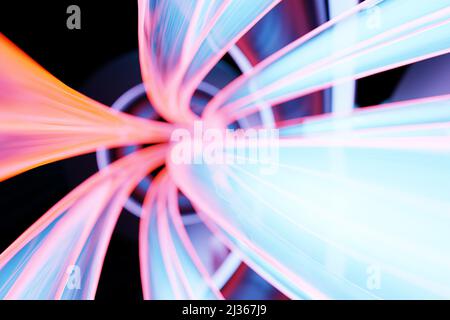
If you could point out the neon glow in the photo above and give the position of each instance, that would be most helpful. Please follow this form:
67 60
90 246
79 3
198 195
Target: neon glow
355 205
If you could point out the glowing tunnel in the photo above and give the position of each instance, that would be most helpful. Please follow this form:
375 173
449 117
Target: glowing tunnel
352 204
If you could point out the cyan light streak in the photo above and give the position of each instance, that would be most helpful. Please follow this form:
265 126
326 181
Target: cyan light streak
310 64
396 115
384 208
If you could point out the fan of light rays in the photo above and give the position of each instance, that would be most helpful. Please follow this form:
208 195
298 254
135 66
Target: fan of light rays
42 120
410 31
335 197
343 206
73 234
170 265
181 41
